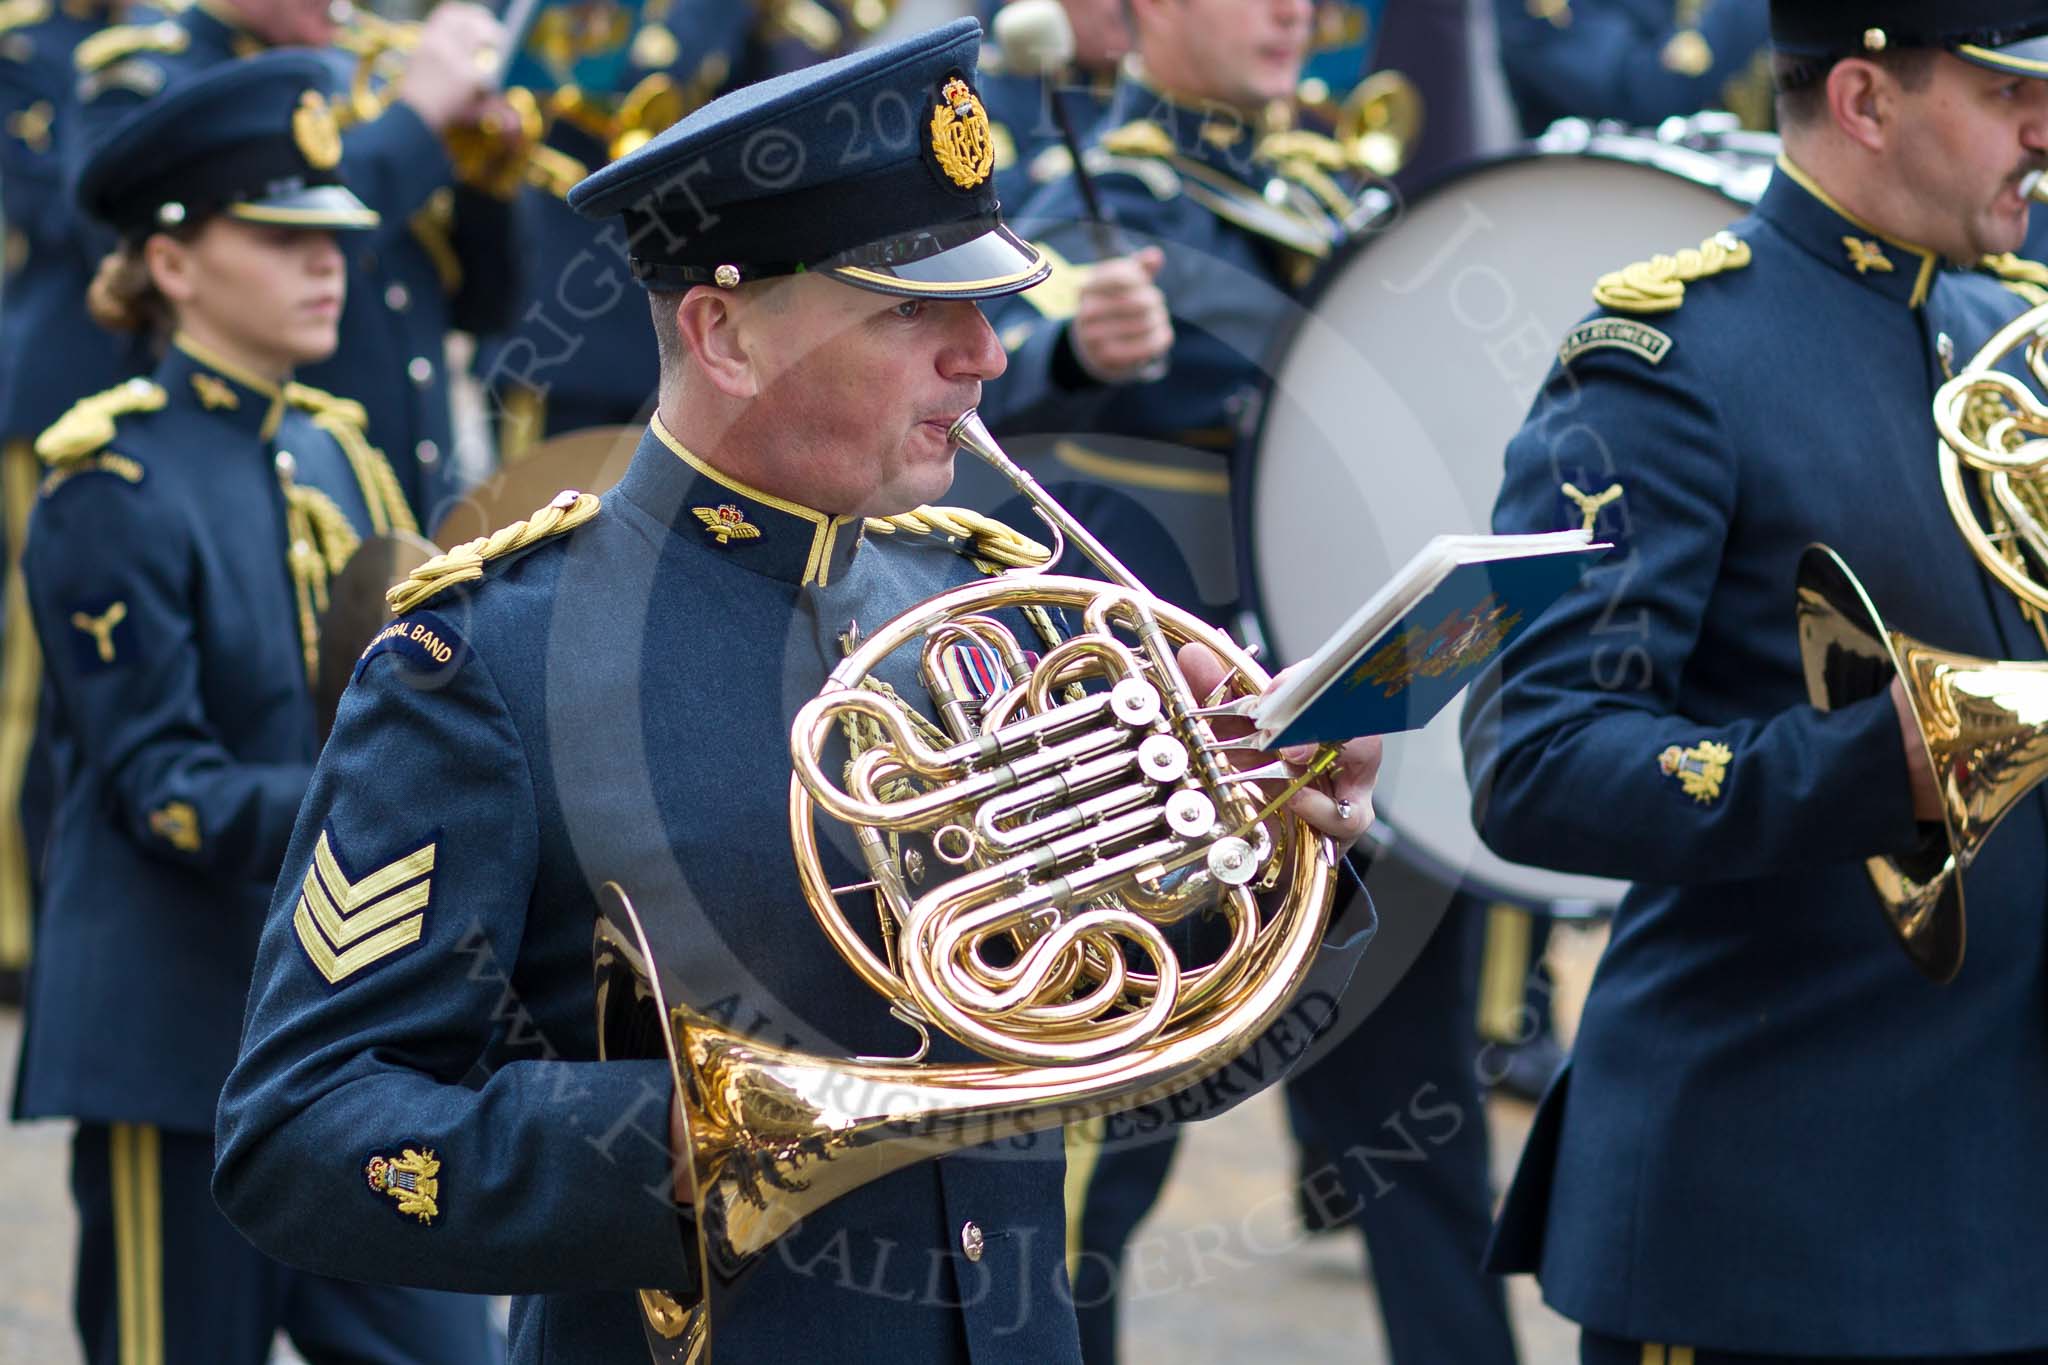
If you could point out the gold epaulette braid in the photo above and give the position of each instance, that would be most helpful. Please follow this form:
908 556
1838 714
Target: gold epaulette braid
1658 284
344 420
976 536
465 563
88 424
2028 279
1141 137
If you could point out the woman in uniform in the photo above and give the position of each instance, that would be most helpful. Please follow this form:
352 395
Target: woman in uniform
187 528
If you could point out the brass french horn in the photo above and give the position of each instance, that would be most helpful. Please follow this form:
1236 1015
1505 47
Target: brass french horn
1984 721
1081 822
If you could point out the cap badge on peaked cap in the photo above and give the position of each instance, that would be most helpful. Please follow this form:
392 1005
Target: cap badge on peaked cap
962 144
316 132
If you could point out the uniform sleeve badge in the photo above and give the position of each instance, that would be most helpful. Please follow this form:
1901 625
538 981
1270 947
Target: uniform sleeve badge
413 1179
1700 770
1589 506
99 628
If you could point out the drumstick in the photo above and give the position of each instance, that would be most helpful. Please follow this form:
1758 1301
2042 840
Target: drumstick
1038 39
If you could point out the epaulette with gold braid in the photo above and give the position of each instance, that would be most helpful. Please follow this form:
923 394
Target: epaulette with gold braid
321 403
2028 279
1300 144
1141 137
110 45
21 13
1658 284
465 563
89 424
972 534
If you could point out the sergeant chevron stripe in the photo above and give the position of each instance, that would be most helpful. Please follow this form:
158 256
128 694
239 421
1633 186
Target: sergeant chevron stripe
345 926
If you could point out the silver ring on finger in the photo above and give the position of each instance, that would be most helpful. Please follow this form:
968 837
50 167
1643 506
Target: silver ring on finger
1344 811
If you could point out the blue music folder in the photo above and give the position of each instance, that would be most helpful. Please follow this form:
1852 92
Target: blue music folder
1423 637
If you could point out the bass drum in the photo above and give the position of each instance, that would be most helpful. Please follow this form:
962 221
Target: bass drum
1390 407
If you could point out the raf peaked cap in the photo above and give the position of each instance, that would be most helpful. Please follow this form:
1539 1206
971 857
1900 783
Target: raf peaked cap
878 168
2006 35
254 140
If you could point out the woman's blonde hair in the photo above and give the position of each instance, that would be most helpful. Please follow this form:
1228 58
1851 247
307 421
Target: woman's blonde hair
124 297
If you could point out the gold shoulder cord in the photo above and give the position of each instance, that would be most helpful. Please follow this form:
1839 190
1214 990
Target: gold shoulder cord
344 420
990 545
320 542
980 538
1658 284
465 563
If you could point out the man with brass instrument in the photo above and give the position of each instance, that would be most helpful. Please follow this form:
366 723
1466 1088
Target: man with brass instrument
1766 1101
1232 210
444 256
604 693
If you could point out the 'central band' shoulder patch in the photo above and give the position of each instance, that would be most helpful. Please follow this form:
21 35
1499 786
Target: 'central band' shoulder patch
430 649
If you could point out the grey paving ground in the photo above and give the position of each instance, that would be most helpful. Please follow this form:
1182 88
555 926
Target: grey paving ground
1277 1297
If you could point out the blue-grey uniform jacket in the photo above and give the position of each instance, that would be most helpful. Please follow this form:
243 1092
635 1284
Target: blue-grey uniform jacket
612 702
158 569
1774 1135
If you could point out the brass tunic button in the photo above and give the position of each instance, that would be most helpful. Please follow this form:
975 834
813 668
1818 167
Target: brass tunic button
286 465
396 298
971 1240
421 370
427 453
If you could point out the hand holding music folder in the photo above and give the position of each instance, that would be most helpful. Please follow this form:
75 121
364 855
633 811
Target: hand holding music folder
1422 637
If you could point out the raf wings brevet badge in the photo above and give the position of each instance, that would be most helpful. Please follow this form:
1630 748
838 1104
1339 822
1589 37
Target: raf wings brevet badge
411 1179
961 141
214 393
1699 770
1867 256
727 523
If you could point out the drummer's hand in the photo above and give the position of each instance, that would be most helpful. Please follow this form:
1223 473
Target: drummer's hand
1339 804
452 75
1121 325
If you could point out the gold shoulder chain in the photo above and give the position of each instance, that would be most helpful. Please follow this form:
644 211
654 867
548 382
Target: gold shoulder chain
1658 284
976 536
465 563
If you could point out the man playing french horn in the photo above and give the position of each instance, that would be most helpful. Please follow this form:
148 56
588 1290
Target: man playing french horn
605 694
1767 1103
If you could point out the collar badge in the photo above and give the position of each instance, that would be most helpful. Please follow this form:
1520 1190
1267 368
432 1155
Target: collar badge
727 523
1867 256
